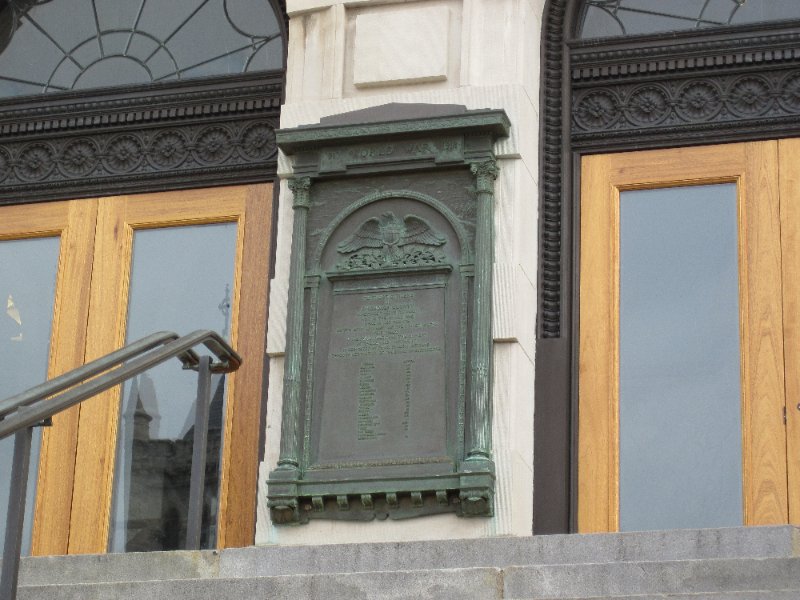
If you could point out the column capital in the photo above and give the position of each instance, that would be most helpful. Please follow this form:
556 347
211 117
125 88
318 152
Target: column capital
300 187
485 172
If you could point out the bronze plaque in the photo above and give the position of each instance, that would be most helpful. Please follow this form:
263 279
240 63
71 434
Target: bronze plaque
386 360
387 376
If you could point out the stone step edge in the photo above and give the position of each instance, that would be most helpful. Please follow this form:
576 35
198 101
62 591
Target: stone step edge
501 570
744 594
499 552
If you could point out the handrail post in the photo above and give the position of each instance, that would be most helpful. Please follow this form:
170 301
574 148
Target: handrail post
194 521
15 517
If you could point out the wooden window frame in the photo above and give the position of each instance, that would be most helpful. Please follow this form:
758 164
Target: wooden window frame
587 93
763 200
242 111
76 466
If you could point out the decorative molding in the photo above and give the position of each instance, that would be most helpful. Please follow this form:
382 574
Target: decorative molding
692 50
140 104
85 162
552 169
683 102
476 121
669 62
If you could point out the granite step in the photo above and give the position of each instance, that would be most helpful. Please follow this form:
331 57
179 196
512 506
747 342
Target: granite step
752 595
566 582
737 579
735 564
265 561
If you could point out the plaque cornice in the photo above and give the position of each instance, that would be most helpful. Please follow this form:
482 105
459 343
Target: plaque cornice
310 137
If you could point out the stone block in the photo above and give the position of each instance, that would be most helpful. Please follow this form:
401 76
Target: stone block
478 584
620 579
402 46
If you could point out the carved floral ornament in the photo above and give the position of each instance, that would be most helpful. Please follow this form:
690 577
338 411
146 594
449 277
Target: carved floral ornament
126 153
686 101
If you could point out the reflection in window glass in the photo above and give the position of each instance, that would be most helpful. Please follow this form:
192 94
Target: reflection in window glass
27 291
181 280
680 446
608 18
61 45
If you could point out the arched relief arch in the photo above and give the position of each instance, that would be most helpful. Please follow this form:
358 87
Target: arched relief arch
454 222
692 87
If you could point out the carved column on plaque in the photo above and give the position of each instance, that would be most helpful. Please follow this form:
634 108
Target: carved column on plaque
289 457
479 433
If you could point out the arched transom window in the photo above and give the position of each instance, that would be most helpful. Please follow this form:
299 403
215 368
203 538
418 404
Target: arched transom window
60 45
607 18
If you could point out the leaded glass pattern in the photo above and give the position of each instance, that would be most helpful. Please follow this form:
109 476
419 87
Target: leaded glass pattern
608 18
60 45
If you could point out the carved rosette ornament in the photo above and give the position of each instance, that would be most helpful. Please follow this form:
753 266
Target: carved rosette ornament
36 161
387 377
5 164
79 158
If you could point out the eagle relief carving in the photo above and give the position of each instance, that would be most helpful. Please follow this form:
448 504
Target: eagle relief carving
390 242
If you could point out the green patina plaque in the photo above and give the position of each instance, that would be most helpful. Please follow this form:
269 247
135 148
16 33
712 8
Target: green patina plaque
387 379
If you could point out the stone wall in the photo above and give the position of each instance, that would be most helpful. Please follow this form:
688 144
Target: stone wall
348 55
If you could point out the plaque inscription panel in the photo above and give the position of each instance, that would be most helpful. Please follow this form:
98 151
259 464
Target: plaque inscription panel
386 360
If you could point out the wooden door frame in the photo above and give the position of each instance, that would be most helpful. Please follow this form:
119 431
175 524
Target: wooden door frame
78 456
74 223
610 72
242 111
754 167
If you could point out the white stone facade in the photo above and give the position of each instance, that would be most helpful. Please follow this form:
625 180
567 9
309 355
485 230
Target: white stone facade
354 54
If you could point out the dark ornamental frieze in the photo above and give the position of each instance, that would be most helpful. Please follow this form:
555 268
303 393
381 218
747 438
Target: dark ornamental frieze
636 60
158 152
686 102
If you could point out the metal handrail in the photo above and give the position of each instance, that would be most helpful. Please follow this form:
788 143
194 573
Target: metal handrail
19 414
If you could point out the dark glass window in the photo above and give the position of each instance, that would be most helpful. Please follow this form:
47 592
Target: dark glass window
59 45
608 18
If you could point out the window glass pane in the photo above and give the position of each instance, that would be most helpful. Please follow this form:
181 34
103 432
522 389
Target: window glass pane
181 280
80 44
680 391
607 18
27 291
